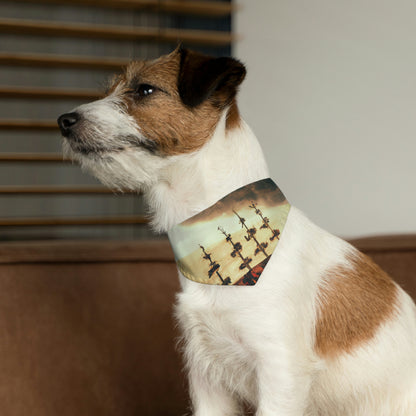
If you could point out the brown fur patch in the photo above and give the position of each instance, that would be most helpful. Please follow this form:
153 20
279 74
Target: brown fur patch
353 303
162 117
233 116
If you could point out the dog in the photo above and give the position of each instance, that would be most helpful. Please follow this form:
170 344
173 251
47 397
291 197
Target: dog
324 331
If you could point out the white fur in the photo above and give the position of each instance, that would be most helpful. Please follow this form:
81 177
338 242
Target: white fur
256 344
108 123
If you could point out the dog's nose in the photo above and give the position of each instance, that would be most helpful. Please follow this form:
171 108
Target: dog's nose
67 121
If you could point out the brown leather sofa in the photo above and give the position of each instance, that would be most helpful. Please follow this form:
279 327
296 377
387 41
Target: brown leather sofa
86 328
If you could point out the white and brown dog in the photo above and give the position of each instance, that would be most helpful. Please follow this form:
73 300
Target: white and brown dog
324 331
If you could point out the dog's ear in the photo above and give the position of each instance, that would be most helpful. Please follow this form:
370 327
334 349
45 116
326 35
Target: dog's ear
202 77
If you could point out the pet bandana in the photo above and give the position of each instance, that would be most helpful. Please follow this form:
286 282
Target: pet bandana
231 242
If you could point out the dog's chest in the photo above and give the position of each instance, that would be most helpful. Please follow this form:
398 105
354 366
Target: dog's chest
214 341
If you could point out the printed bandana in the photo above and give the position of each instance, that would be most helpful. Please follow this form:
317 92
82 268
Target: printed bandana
231 242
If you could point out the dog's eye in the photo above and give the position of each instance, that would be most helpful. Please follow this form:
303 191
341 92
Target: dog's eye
143 90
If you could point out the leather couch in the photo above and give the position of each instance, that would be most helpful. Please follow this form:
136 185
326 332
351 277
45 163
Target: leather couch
86 328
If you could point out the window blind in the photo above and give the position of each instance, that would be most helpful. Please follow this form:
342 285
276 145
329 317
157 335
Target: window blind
55 55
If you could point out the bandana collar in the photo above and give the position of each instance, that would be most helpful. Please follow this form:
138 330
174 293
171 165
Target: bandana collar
231 242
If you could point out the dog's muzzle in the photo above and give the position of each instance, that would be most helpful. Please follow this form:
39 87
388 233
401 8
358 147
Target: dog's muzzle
67 123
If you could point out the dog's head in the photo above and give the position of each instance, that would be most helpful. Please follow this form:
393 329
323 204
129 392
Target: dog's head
152 112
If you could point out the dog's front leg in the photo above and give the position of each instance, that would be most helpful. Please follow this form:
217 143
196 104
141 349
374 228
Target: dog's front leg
210 399
283 386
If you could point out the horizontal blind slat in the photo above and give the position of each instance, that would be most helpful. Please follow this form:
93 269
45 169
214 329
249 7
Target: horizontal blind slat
48 93
60 190
63 29
17 124
202 8
32 157
68 221
61 61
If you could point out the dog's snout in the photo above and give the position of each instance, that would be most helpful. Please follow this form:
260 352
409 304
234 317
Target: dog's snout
67 121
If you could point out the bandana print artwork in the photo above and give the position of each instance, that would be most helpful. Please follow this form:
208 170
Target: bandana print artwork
231 242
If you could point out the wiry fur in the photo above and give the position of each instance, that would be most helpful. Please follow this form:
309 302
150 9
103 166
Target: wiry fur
257 344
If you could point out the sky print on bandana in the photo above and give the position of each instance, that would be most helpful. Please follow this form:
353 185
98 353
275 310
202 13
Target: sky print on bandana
203 252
